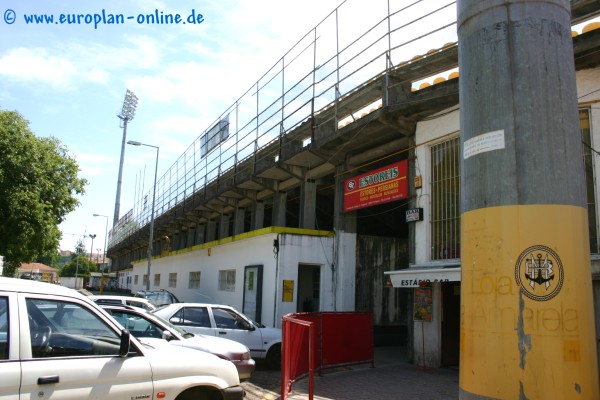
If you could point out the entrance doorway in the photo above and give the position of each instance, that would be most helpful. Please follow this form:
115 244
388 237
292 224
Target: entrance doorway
450 323
309 288
252 303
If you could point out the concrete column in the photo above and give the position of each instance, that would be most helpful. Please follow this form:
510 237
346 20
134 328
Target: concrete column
201 233
211 230
257 215
238 221
191 237
527 323
279 203
224 230
308 204
344 226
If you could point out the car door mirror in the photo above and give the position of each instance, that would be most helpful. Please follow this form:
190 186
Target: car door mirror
167 335
125 343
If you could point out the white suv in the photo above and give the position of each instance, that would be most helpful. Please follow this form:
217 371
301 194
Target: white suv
55 344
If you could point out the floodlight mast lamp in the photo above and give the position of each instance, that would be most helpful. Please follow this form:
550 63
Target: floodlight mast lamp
126 115
93 236
150 240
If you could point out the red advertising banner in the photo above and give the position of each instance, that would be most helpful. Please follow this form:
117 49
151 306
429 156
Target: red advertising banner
380 186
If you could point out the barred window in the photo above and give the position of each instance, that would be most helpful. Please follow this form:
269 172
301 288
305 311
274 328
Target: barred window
145 280
194 280
227 280
173 279
156 279
590 186
445 200
135 279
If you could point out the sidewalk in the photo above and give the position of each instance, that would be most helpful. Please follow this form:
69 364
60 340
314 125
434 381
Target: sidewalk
391 378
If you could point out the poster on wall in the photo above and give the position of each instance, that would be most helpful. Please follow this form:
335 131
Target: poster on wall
288 291
376 187
423 310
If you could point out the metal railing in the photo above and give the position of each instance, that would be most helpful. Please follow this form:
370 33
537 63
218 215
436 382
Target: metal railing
348 48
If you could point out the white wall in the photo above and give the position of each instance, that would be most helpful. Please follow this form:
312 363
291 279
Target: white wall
588 94
429 133
258 250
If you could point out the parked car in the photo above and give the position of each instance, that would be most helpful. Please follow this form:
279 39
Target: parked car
54 342
123 300
158 297
225 321
144 325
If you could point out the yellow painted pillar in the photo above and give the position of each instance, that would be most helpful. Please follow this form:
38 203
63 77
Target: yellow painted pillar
527 320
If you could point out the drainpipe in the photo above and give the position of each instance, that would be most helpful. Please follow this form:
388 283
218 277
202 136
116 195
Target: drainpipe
276 255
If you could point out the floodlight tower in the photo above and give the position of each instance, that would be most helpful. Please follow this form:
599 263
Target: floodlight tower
126 115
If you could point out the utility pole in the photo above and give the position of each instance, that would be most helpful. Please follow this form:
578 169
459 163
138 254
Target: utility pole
527 319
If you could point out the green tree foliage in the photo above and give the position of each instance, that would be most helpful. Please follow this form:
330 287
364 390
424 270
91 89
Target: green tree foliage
38 185
79 265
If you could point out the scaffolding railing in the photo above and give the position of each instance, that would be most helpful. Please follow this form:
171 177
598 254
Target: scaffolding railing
350 47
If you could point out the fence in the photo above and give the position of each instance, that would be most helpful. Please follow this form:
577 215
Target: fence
317 341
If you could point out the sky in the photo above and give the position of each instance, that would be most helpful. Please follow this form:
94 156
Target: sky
69 81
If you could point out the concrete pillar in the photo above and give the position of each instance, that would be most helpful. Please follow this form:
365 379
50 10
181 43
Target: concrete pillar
279 203
201 233
527 323
257 216
224 230
308 204
344 226
211 230
191 237
238 221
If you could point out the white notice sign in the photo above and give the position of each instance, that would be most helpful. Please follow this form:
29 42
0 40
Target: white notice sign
484 142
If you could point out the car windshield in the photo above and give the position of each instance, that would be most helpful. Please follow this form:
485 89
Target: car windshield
158 298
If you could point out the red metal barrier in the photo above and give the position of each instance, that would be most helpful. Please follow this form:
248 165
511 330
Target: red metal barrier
323 340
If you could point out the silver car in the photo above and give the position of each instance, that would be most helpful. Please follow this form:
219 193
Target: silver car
225 321
148 327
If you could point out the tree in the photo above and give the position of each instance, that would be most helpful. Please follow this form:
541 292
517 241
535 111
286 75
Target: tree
79 264
38 185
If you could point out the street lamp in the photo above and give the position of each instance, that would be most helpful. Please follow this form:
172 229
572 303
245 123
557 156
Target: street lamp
92 246
134 143
105 235
126 115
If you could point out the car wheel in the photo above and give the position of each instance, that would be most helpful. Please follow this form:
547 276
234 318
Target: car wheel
199 393
274 357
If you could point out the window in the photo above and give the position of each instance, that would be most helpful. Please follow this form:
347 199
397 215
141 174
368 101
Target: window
135 280
3 328
226 319
145 280
137 325
193 316
588 164
194 280
173 279
156 279
63 329
227 280
445 200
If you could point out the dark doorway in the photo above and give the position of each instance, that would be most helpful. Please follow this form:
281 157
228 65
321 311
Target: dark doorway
309 288
450 323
